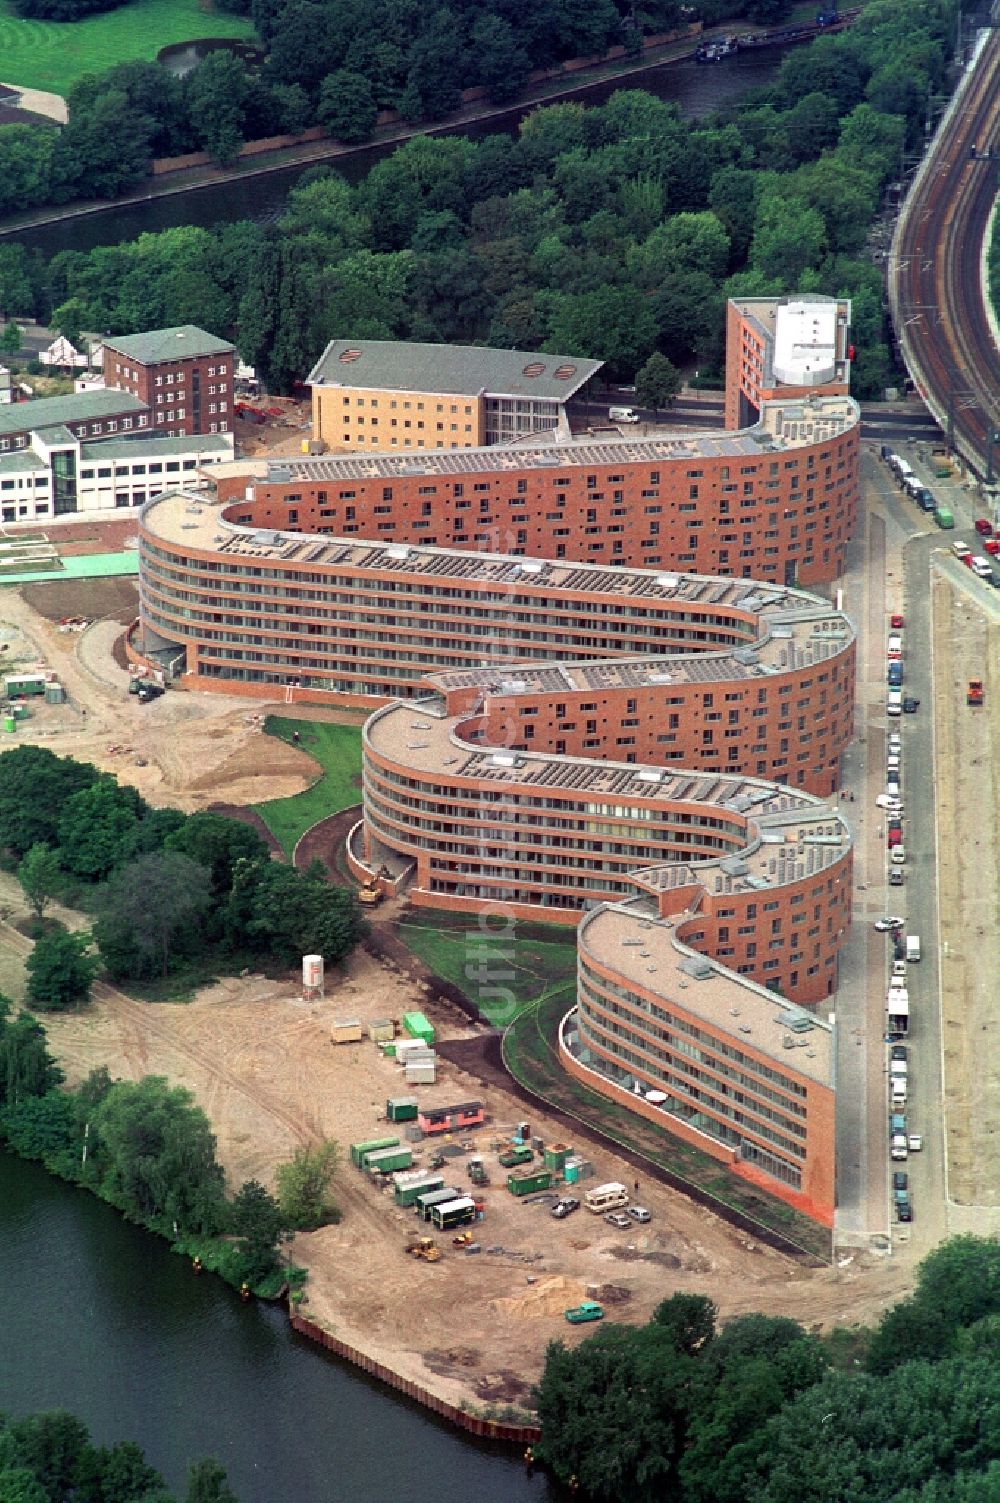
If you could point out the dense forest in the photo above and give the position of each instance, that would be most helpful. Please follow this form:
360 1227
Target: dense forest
612 232
762 1411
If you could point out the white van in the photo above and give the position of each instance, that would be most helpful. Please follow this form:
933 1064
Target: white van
610 1197
894 702
913 947
897 856
897 1091
894 649
623 414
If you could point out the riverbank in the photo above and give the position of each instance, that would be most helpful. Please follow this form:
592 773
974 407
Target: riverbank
311 153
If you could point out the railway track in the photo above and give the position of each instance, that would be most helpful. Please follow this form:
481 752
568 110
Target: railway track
936 283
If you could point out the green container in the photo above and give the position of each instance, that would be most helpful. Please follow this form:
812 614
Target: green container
418 1026
401 1108
527 1184
20 711
389 1050
9 724
388 1160
405 1194
572 1174
555 1157
358 1150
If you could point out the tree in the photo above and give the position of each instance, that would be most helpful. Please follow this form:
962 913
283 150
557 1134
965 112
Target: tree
155 1155
347 107
99 828
301 914
788 238
207 1484
103 150
304 1186
216 843
39 876
437 64
26 1066
10 339
61 970
616 321
43 1127
34 787
502 64
217 94
150 911
657 382
690 1319
257 1218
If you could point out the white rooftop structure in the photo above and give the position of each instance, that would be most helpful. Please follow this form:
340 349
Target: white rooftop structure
805 342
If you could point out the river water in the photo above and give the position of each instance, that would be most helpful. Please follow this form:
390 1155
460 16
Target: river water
699 91
99 1318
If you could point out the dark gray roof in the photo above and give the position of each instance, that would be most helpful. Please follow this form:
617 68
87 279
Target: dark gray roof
83 407
456 369
186 342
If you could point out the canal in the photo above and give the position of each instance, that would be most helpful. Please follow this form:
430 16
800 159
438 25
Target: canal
698 91
99 1318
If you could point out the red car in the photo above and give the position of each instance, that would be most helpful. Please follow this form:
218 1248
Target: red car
895 838
992 546
984 528
897 622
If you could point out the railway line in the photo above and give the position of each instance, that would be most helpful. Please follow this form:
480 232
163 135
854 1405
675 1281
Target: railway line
936 283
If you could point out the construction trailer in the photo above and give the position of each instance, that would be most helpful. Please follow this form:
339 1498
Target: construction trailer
449 1213
440 1119
428 1199
408 1185
422 1071
401 1108
528 1184
358 1150
22 685
388 1160
346 1031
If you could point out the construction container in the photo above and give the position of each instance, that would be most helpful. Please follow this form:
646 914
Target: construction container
418 1027
19 710
387 1160
421 1072
452 1118
401 1108
580 1168
9 724
430 1198
411 1049
25 683
382 1031
312 972
55 694
358 1150
346 1031
389 1050
527 1184
571 1173
408 1186
555 1157
451 1213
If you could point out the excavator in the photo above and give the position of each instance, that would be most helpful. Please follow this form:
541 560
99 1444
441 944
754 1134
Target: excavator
424 1247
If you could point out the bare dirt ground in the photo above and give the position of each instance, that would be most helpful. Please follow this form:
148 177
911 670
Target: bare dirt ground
473 1328
967 645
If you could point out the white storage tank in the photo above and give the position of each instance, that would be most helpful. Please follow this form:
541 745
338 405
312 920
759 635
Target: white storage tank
312 972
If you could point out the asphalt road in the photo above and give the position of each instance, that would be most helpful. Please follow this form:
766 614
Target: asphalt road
889 569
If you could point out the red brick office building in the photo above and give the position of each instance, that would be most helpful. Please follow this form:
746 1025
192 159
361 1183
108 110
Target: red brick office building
184 375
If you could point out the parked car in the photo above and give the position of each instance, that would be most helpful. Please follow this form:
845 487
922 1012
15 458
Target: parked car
618 1219
640 1214
900 1179
897 622
898 1051
895 744
896 877
911 706
992 546
984 527
915 1142
895 837
565 1207
904 1210
884 925
888 801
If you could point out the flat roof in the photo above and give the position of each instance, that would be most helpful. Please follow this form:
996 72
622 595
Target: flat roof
81 407
144 446
644 948
156 346
783 425
454 369
805 342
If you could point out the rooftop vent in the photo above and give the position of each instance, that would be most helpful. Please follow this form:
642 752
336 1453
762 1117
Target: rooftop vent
535 368
564 372
346 356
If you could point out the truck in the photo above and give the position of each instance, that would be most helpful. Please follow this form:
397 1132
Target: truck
587 1309
913 947
511 1157
975 694
897 1008
623 415
944 517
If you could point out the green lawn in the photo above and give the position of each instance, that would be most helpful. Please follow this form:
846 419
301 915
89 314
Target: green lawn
52 55
337 749
500 971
